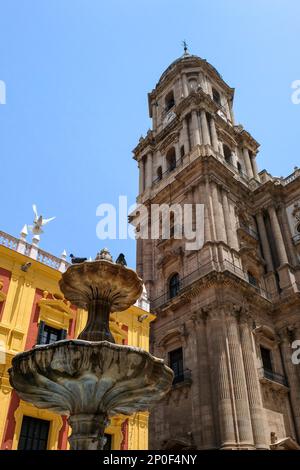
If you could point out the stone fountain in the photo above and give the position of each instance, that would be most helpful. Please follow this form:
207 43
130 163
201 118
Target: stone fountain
91 378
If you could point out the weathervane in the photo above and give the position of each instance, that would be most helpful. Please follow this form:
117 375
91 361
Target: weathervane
185 47
38 222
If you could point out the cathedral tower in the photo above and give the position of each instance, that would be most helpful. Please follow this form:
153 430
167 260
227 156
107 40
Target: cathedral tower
227 312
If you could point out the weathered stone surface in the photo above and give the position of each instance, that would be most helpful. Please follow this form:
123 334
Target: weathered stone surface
72 377
85 282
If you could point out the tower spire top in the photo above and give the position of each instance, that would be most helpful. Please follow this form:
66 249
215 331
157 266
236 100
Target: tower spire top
185 47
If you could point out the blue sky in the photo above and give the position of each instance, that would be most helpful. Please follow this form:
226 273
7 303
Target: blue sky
77 74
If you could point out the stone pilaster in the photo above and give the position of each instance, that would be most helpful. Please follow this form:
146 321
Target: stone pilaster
283 259
141 176
254 167
149 170
204 385
204 127
245 435
258 418
231 236
264 241
292 376
196 130
287 235
219 220
185 135
214 135
220 380
247 162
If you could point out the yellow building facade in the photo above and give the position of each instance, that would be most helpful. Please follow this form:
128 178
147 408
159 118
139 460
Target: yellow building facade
33 311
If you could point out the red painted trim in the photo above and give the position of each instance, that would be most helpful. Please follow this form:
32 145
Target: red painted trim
124 429
63 435
33 325
72 324
125 328
10 423
5 277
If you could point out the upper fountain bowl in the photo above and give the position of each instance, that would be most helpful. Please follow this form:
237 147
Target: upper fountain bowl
119 286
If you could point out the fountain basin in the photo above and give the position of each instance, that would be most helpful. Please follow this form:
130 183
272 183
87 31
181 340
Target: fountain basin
89 382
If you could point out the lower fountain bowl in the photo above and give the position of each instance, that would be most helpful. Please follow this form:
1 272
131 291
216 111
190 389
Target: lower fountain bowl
74 377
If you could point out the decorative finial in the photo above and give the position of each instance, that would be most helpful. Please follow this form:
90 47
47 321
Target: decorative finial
104 254
24 232
185 47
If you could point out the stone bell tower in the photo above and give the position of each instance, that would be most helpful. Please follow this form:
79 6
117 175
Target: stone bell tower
228 312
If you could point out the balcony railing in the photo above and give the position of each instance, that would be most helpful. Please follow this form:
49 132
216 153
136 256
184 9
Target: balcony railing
200 273
42 256
274 376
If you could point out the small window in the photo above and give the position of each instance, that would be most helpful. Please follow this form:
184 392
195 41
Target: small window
266 359
239 167
34 434
298 228
159 173
169 101
227 154
182 151
47 334
176 364
216 96
174 285
171 159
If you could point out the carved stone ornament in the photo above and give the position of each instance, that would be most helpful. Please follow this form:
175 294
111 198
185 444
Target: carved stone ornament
100 287
89 382
90 379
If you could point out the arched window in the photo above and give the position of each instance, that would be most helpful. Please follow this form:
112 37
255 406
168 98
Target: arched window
171 159
298 228
227 154
239 167
182 151
169 101
159 173
216 96
174 285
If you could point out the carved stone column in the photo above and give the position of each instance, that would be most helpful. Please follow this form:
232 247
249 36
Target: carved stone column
208 221
264 241
185 135
205 391
287 235
149 170
214 135
185 88
220 379
141 176
231 236
219 220
254 167
204 127
248 162
253 385
241 400
196 131
283 259
286 337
